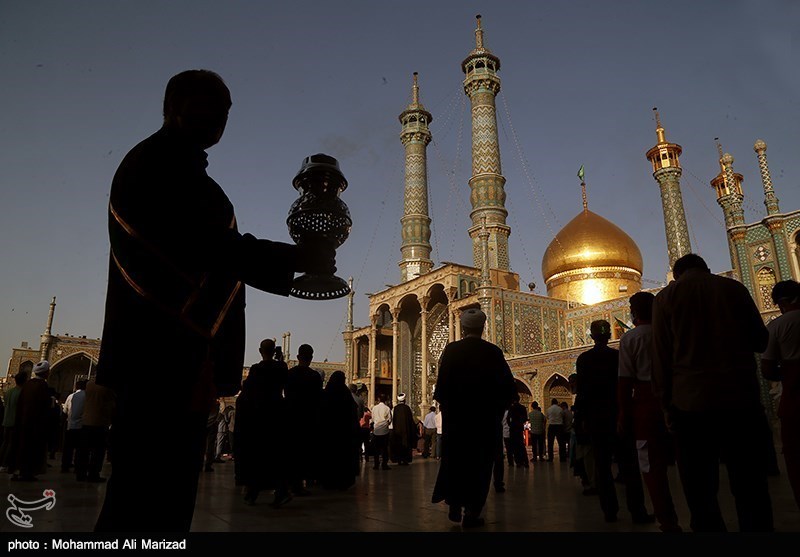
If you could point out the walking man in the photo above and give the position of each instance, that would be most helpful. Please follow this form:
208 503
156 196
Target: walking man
473 389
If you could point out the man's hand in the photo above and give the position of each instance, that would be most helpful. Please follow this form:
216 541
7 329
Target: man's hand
319 259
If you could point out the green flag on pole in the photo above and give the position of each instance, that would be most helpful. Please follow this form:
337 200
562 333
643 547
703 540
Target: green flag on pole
580 173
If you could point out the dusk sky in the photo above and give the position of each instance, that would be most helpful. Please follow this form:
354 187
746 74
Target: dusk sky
83 82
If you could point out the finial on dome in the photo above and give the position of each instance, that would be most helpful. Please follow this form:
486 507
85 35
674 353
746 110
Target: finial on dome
478 34
583 194
760 146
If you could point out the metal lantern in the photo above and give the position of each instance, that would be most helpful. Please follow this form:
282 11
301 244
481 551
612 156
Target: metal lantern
319 216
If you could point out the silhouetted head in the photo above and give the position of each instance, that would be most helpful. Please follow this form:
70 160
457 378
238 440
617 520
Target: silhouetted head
267 348
554 401
81 385
382 397
353 388
196 105
336 379
600 331
689 261
305 354
535 405
564 405
642 307
786 294
20 378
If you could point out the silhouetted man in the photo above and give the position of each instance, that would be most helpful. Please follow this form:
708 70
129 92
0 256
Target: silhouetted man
261 447
596 417
781 362
177 271
706 329
474 388
304 407
34 408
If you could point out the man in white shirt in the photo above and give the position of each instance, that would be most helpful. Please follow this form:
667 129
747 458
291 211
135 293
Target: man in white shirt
438 435
429 423
73 408
381 418
640 420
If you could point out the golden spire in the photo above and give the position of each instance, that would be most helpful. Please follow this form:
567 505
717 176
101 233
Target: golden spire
478 34
659 128
719 150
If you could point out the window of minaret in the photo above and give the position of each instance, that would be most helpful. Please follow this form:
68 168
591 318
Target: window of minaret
766 280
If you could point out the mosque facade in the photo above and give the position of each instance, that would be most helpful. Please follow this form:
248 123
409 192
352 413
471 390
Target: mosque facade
591 268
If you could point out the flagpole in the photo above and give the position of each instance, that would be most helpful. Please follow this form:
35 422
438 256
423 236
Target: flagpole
583 189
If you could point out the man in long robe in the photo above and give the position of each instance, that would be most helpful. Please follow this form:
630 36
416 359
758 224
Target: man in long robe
34 407
474 388
403 437
177 271
261 448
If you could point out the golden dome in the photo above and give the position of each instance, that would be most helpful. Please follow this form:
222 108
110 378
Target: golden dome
587 241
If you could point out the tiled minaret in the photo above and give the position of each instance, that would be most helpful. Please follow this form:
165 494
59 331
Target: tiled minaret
770 201
415 224
667 172
730 197
774 222
486 184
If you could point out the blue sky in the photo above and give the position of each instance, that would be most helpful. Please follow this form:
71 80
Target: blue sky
83 83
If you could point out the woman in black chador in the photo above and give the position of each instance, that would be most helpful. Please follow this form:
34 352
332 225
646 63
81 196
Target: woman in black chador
260 444
340 434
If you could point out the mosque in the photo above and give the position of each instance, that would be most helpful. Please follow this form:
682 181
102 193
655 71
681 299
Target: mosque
591 268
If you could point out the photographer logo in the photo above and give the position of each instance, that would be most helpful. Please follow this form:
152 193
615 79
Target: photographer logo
16 513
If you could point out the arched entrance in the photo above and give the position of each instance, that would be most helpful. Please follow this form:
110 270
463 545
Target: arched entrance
64 372
557 387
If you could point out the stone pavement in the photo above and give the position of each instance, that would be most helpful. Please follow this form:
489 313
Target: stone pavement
544 498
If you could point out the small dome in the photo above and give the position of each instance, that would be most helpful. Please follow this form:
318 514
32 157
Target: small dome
589 240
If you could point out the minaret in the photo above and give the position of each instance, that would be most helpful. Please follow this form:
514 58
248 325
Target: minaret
348 334
486 184
728 186
47 337
415 224
770 201
484 292
667 172
773 221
